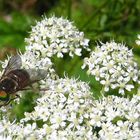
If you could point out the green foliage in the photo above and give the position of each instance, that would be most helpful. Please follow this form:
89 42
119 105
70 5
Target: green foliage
13 31
27 102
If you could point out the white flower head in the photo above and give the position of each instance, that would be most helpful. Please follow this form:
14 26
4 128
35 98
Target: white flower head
116 117
63 108
113 65
57 36
138 41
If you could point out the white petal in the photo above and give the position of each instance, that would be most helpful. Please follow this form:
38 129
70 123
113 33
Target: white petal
59 54
102 82
121 91
129 87
78 51
106 88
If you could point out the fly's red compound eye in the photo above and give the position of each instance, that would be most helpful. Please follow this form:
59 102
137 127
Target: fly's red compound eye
3 95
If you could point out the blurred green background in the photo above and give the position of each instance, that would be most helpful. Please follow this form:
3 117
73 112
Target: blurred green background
101 20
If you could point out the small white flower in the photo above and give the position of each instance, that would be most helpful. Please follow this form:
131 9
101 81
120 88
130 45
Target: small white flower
29 129
58 120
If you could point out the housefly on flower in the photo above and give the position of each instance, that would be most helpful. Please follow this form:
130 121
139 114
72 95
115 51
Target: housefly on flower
15 79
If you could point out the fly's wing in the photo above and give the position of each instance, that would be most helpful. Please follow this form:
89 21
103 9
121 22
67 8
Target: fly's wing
36 74
14 63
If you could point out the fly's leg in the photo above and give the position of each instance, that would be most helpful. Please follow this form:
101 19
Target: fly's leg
8 102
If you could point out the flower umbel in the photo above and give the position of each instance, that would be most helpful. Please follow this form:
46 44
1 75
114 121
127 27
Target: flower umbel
62 109
118 117
56 36
113 65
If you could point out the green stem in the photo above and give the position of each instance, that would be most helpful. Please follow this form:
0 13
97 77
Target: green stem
69 5
102 92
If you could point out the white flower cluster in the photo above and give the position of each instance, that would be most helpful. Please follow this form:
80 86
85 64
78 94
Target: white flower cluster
116 118
113 65
56 36
62 112
67 111
138 41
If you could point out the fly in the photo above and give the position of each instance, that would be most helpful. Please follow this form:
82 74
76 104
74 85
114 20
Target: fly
15 79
